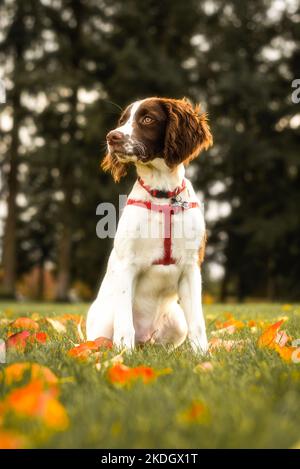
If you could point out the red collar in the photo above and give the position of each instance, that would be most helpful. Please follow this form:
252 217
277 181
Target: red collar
159 194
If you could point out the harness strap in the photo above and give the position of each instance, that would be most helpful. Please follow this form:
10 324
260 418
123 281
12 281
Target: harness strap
168 210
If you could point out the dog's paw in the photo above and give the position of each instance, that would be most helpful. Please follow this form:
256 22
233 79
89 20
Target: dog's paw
124 339
199 344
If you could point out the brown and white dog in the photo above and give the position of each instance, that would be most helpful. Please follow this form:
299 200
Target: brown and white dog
151 291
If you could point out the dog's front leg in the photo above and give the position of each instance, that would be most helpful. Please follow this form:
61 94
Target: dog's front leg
124 278
190 289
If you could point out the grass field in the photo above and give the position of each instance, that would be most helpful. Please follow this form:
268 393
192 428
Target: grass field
246 397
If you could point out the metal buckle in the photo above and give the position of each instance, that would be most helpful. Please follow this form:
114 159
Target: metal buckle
178 202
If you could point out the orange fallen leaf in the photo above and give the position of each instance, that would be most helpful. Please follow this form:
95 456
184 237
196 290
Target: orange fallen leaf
12 440
104 342
251 323
197 412
15 372
285 353
26 400
146 373
124 375
25 323
228 315
55 415
82 351
18 340
231 321
33 401
40 337
70 317
269 335
276 340
21 339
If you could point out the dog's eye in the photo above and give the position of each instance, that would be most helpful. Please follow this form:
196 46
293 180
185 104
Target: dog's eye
147 120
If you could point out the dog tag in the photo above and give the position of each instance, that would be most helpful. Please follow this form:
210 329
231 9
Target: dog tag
178 202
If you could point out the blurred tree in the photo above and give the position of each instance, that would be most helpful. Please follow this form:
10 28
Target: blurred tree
149 48
141 49
97 54
20 32
79 61
248 66
57 169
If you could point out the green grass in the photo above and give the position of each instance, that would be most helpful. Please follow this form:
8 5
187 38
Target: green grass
252 395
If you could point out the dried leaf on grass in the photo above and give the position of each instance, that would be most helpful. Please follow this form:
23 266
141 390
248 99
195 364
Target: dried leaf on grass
123 375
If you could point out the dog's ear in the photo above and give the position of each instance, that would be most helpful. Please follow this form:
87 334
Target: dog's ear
187 132
117 169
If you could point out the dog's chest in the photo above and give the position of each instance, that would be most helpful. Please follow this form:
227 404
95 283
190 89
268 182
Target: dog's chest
143 235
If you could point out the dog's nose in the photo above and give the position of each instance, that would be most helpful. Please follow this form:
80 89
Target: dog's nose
114 136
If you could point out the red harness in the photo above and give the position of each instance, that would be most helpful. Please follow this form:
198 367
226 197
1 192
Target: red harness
168 210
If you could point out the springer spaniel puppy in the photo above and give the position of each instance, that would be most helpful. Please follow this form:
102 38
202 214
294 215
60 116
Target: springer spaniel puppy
151 291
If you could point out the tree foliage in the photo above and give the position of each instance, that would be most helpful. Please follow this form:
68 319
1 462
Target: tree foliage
71 64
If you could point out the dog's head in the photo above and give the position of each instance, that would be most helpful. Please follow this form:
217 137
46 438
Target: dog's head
171 129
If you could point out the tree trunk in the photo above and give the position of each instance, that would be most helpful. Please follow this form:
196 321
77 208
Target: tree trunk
270 289
41 281
241 295
64 264
224 287
9 238
65 242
